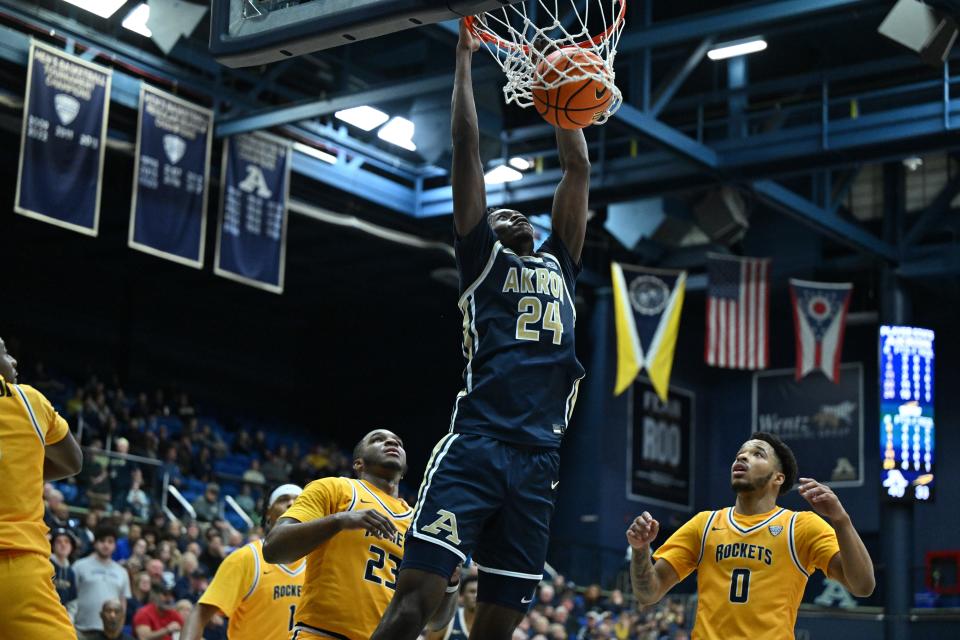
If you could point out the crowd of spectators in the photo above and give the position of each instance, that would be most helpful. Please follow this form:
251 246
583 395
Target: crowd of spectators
122 566
561 611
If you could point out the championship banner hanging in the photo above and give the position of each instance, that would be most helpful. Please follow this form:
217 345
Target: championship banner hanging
647 305
822 421
252 232
660 446
168 215
819 319
62 141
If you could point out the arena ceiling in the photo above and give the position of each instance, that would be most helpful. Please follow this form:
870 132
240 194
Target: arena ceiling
816 114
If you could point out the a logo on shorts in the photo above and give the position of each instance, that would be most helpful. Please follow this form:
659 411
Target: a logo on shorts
446 522
527 600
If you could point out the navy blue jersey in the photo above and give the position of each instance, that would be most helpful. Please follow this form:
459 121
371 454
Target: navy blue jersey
522 373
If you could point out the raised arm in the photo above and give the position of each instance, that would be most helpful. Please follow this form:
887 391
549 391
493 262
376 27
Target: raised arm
650 581
469 192
852 565
570 199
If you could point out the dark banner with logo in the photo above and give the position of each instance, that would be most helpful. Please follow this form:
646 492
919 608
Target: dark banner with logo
252 234
660 446
62 142
168 215
822 421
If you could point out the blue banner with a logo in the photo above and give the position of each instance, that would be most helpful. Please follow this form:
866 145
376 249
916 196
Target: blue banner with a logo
62 142
820 420
168 215
252 234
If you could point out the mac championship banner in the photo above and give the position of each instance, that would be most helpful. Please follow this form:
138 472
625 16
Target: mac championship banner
62 142
252 234
660 446
820 420
168 215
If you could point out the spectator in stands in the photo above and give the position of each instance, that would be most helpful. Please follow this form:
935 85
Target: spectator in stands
121 473
111 617
189 564
85 533
185 409
140 595
54 500
260 442
138 554
197 583
99 579
158 620
98 490
215 552
242 443
246 501
64 545
155 569
276 469
138 502
207 506
172 468
253 475
202 464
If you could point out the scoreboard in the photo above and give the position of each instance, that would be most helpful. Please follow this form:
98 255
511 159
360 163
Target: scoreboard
906 413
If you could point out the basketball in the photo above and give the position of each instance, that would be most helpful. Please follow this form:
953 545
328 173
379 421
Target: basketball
578 102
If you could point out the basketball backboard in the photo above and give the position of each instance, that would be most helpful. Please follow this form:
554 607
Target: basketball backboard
252 32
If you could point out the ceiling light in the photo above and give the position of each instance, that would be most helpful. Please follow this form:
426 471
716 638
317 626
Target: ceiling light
366 118
136 20
521 164
737 48
313 152
398 131
102 8
501 174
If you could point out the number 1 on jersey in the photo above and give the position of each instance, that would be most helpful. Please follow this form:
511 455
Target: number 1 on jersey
531 311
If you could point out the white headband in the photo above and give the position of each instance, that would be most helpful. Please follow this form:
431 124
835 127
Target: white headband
284 490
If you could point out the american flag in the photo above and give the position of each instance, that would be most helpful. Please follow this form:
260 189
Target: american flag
738 303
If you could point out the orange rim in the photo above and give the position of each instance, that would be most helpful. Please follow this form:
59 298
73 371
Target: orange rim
494 39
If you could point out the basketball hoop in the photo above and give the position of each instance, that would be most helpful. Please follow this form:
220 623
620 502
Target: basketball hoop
510 35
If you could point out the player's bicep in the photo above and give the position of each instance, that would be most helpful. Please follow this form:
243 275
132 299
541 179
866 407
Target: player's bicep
469 189
667 576
835 570
569 213
62 459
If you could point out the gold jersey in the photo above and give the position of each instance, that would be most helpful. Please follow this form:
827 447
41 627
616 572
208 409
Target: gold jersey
258 598
751 570
351 577
28 424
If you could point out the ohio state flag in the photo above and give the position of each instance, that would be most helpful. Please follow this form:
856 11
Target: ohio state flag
819 318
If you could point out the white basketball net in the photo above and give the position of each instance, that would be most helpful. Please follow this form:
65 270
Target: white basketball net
509 34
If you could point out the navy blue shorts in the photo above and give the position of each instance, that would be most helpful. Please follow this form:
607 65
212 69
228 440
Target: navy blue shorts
492 500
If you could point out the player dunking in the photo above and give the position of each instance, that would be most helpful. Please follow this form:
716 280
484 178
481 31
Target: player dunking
489 486
351 532
258 598
753 559
35 446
